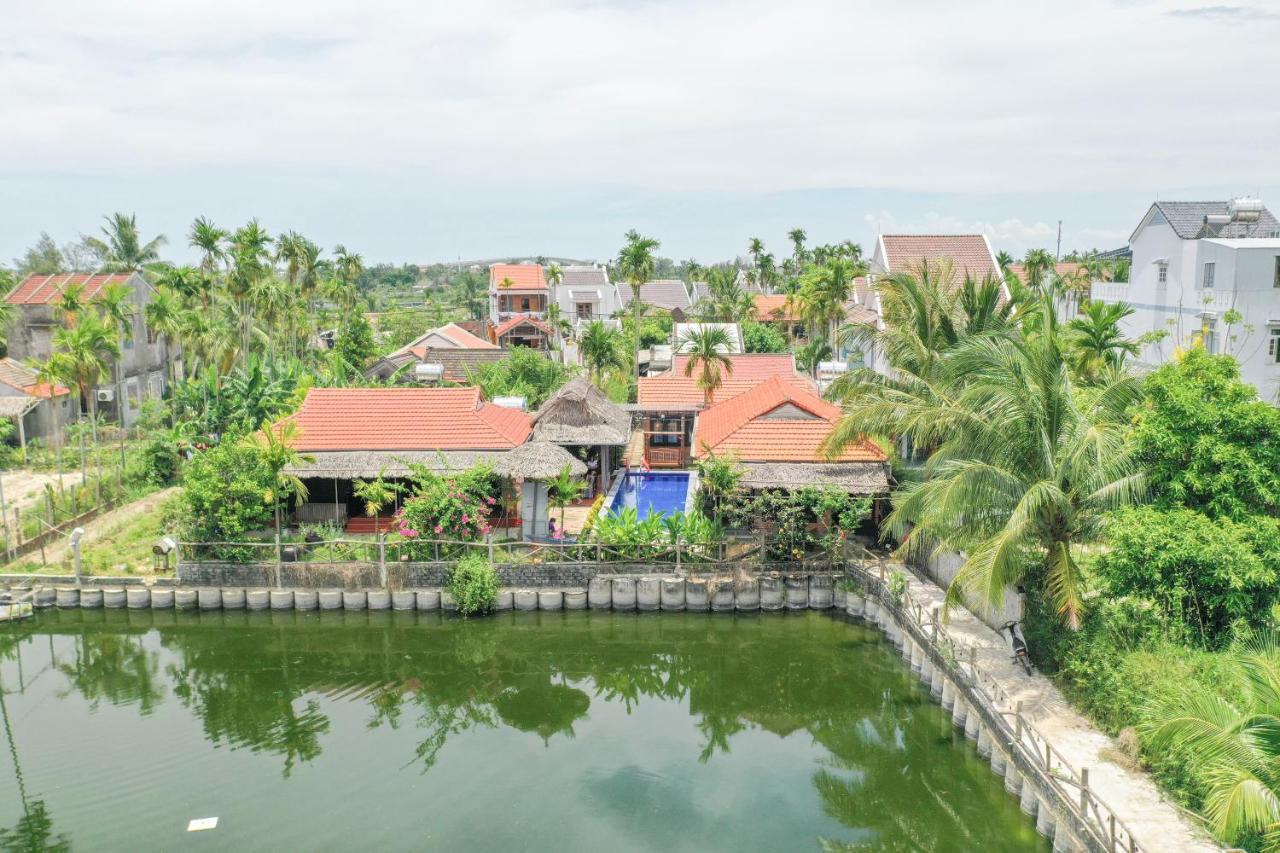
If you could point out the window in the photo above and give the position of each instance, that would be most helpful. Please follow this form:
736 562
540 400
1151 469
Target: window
524 304
1208 274
1163 275
585 310
1276 281
151 333
1273 345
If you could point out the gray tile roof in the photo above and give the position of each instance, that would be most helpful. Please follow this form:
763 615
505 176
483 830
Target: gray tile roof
583 276
1187 220
667 293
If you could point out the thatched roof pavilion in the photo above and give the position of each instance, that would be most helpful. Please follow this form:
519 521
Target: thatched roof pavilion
538 460
580 414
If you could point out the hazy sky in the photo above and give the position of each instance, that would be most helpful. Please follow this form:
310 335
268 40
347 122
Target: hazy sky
431 130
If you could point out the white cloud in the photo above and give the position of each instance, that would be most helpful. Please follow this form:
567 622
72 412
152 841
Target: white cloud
664 96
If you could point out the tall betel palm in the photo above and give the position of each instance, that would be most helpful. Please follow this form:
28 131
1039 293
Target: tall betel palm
1023 469
708 348
80 357
601 349
636 264
123 249
1229 738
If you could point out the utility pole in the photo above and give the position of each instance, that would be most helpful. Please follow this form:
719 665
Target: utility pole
1057 256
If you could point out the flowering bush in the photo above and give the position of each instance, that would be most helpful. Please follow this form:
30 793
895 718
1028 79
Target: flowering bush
453 507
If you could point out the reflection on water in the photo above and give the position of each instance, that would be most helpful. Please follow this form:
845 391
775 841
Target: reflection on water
671 732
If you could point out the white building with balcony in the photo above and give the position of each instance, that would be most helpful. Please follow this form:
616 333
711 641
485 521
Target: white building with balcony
585 294
1207 271
517 290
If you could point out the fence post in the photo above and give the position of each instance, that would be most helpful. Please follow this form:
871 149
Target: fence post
488 538
279 556
48 507
382 559
677 556
1084 791
1017 721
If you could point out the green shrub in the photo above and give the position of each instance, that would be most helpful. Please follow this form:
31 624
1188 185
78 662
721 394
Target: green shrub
1202 574
473 583
159 462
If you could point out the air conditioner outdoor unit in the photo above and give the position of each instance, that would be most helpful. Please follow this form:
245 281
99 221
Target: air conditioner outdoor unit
106 395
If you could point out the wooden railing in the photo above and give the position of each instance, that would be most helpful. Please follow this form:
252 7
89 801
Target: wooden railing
667 457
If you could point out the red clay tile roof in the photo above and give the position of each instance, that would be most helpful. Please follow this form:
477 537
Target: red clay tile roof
43 289
1066 269
861 315
518 320
463 338
406 419
522 276
673 388
775 422
774 307
969 253
18 376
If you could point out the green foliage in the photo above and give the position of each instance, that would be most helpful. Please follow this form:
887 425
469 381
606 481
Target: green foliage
718 478
1202 574
354 344
763 337
1206 439
228 493
239 403
801 520
160 461
453 507
656 326
376 493
525 373
473 583
630 537
562 491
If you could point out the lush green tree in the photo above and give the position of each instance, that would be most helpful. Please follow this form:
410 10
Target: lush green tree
1013 438
763 337
354 343
81 355
636 263
1038 267
824 291
1206 439
563 490
42 258
228 493
708 349
601 349
524 373
1096 341
1203 574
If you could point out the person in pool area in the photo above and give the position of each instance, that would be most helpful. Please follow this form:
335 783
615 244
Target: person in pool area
551 527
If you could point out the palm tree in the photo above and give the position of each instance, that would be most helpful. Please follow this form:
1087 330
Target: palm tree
123 249
1014 441
80 357
1095 340
248 256
117 310
1004 260
210 240
162 315
824 292
275 443
1038 265
636 264
813 353
600 346
563 490
1228 737
71 303
707 348
797 238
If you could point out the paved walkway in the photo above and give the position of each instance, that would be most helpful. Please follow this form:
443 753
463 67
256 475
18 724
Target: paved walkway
1158 825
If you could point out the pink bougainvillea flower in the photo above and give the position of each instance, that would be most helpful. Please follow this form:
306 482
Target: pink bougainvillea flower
439 529
465 518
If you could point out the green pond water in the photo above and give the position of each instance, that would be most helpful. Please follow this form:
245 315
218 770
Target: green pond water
524 731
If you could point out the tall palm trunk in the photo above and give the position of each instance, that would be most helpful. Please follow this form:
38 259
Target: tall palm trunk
635 309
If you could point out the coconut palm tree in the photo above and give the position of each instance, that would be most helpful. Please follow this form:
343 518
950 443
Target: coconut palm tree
70 303
81 355
276 444
797 236
1038 267
1228 736
1096 341
1041 464
601 349
815 351
123 249
636 264
707 348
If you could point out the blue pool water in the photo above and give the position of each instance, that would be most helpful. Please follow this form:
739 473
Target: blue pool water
652 494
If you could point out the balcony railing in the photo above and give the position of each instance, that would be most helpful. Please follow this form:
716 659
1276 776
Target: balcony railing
507 315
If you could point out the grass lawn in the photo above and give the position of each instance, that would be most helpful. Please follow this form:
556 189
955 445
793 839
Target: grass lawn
120 545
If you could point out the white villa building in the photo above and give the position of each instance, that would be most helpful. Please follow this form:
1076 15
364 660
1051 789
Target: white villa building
1207 269
585 294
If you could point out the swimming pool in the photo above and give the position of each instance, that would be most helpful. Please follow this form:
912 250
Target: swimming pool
652 494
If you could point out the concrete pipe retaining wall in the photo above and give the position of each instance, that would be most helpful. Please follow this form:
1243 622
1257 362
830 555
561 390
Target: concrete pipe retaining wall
330 599
773 594
746 595
184 599
600 593
550 599
526 599
403 599
695 595
429 600
797 591
447 604
67 596
257 599
90 598
378 599
161 599
505 600
722 600
278 599
575 599
209 598
138 598
624 594
821 592
672 594
233 598
113 597
648 593
44 596
306 599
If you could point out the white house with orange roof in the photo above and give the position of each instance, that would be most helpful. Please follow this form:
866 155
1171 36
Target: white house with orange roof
517 290
38 409
145 356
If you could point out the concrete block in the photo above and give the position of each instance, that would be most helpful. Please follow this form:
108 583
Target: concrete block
404 599
648 593
90 598
257 599
161 598
209 598
772 593
695 594
822 592
306 599
746 594
378 599
278 599
526 599
233 598
600 593
428 599
624 593
330 599
722 598
550 599
138 598
671 593
505 600
575 599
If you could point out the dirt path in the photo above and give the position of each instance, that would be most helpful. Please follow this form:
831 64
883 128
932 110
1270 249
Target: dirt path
111 522
26 488
1156 822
